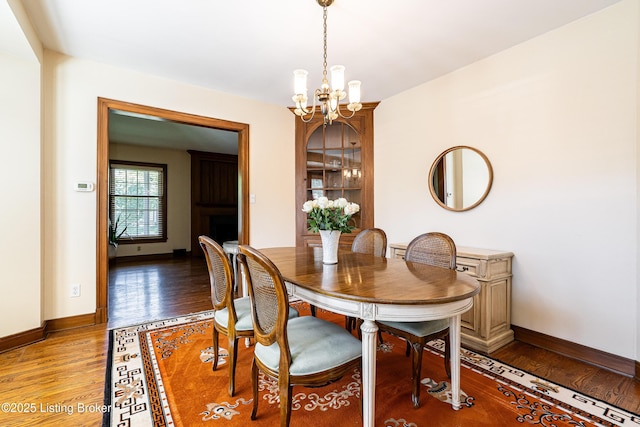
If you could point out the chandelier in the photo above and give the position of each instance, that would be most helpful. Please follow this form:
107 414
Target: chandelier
327 97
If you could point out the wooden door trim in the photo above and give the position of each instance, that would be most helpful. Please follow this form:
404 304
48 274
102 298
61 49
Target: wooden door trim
102 217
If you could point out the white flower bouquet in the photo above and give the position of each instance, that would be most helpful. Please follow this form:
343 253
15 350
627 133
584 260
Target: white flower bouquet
325 214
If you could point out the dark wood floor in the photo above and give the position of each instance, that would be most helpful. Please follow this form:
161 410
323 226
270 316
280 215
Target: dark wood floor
68 368
157 289
602 384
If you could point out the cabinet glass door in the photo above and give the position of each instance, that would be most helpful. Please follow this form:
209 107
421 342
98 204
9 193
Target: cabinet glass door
334 165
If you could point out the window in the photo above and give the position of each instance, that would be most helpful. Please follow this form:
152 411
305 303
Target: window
137 200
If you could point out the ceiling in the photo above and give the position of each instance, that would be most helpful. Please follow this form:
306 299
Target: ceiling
250 48
138 129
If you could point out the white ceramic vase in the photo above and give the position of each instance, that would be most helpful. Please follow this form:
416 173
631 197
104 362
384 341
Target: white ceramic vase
330 241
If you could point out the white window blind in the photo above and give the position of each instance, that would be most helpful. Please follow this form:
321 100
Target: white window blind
137 200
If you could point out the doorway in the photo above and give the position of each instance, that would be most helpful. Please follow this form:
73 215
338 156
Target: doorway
104 107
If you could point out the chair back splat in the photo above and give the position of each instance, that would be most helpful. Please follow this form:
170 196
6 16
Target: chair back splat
436 249
370 241
268 299
219 278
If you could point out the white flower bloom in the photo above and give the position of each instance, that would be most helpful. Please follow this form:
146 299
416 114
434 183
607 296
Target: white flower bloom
351 208
323 202
341 202
308 206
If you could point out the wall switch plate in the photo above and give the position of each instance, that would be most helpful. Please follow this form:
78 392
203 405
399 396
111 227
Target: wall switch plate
75 290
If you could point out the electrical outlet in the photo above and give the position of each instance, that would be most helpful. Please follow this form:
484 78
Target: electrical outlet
75 290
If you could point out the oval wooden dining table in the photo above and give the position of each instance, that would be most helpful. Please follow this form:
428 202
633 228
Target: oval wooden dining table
375 288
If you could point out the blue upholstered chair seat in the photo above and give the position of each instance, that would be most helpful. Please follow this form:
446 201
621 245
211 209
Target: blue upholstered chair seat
420 329
243 311
310 339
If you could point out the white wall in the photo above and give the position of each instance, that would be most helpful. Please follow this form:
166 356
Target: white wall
557 118
20 192
73 87
178 196
637 60
20 178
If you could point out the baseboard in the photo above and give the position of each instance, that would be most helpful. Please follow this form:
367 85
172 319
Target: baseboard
38 334
21 338
149 257
70 322
611 362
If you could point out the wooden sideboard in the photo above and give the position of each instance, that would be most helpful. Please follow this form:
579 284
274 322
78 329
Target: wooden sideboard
487 326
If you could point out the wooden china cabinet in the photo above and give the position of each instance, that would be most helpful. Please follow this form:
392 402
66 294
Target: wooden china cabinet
335 161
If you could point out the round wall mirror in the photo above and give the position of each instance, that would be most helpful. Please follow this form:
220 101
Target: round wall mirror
460 178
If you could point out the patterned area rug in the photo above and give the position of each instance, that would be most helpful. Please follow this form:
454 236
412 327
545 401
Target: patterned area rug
160 375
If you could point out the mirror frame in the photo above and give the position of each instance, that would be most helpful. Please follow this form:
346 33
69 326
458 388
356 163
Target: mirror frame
432 171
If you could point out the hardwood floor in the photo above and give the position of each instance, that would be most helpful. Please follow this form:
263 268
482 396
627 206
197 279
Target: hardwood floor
157 289
60 381
602 384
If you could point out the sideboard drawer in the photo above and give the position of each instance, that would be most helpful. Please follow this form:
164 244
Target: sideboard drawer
397 251
468 265
487 269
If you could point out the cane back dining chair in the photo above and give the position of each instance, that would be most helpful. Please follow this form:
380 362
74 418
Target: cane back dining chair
439 250
232 317
304 350
369 241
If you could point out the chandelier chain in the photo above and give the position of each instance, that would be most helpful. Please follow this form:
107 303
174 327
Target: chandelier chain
324 41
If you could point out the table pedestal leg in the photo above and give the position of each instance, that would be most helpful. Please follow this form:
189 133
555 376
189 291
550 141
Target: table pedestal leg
369 345
454 338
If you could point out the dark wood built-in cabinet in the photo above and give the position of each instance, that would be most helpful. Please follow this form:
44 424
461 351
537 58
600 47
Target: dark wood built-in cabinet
214 197
335 161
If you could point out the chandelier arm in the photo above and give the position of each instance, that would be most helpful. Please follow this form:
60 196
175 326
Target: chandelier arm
305 111
307 120
342 115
